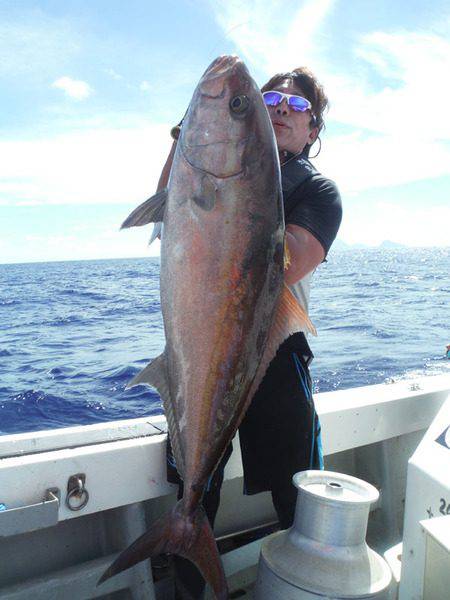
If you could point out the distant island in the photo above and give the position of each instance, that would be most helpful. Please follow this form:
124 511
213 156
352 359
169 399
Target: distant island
340 245
389 244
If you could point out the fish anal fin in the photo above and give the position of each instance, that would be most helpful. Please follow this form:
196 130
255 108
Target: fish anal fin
289 318
155 374
150 211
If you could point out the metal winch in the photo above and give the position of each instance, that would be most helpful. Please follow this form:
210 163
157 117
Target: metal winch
324 554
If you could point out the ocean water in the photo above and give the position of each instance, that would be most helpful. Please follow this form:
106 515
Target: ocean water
73 333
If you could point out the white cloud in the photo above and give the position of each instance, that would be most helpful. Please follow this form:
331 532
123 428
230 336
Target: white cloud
400 133
145 86
36 43
106 242
92 166
74 88
427 226
113 74
303 36
402 123
359 162
268 36
413 65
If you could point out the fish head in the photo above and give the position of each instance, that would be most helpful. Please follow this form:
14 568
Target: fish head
227 130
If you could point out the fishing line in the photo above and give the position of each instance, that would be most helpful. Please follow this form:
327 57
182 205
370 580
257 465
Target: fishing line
316 437
226 34
158 428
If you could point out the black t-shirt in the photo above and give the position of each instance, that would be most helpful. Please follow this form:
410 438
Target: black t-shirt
316 205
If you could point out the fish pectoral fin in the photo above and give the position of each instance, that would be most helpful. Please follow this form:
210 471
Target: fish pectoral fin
150 211
188 535
156 233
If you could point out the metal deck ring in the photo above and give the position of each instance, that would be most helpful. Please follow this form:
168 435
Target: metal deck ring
80 493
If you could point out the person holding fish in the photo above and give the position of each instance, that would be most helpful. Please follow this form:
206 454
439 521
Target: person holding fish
280 433
238 251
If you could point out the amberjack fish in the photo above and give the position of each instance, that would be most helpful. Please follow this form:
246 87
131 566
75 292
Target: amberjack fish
225 306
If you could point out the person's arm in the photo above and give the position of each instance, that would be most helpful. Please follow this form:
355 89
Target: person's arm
312 226
305 253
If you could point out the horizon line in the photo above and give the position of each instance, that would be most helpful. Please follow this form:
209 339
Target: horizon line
350 246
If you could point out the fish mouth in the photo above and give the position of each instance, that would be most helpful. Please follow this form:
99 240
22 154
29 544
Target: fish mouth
222 64
212 83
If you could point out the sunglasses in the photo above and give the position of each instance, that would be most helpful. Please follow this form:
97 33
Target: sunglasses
297 103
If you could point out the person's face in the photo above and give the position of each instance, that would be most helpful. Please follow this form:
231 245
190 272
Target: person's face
292 129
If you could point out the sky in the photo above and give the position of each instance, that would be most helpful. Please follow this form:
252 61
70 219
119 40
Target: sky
90 90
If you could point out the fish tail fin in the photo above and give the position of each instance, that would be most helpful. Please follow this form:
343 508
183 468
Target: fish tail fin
188 535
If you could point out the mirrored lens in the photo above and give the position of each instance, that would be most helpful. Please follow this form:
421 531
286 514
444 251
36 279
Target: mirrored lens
298 103
272 98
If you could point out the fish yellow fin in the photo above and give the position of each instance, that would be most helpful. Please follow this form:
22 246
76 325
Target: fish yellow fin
290 317
287 254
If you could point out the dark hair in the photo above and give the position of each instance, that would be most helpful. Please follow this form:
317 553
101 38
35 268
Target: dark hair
307 83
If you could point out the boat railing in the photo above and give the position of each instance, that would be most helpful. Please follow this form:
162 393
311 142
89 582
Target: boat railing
97 487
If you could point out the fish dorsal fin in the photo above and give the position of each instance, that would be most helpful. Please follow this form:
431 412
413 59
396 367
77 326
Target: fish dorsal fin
155 374
150 211
290 317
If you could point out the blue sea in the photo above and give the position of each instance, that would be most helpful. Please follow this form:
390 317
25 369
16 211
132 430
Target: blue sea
72 334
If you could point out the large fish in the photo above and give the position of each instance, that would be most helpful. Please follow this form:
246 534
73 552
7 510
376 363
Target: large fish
225 306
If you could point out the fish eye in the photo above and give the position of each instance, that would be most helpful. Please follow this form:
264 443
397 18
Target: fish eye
239 104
